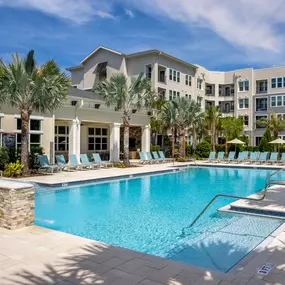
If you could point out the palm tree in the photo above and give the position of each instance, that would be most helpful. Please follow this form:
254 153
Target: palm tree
231 128
30 87
212 116
126 95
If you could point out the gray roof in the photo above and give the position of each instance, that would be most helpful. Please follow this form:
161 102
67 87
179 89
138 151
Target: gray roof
83 94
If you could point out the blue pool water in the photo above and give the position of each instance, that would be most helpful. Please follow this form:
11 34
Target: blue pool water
148 214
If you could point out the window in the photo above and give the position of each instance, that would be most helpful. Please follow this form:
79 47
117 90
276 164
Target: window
243 86
283 81
97 139
188 96
170 94
187 80
199 83
178 76
273 83
273 101
148 71
178 94
279 101
232 90
261 104
174 75
199 101
279 82
174 94
257 140
35 125
243 103
245 120
170 74
61 140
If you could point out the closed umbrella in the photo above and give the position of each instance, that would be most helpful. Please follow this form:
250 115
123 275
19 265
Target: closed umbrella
235 142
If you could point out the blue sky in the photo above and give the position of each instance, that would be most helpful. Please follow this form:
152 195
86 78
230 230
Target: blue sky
217 34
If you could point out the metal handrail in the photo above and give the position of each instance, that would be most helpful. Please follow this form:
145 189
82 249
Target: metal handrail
267 185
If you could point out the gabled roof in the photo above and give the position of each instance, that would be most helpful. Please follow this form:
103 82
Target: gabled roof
159 52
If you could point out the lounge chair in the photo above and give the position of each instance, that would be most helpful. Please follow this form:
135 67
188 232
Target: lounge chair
73 162
86 162
156 157
245 155
45 165
60 160
150 158
162 156
282 160
273 158
263 157
241 157
231 156
143 160
212 156
220 157
253 157
98 160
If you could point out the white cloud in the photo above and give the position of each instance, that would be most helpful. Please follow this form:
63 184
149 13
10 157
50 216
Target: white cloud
247 23
78 11
129 13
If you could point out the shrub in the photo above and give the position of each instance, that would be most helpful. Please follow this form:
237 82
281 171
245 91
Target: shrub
34 162
180 159
264 144
119 165
251 148
203 149
189 150
13 169
4 157
155 148
220 147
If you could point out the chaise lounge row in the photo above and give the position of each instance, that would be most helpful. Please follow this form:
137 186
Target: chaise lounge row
246 156
61 164
154 157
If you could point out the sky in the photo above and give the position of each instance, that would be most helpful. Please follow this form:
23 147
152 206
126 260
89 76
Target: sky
217 34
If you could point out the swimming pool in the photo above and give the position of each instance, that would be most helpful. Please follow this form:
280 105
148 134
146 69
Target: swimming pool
148 214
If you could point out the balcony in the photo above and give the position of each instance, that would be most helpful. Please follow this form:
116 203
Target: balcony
161 93
210 89
226 90
227 107
261 104
261 86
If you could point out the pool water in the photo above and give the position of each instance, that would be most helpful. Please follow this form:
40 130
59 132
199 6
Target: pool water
148 214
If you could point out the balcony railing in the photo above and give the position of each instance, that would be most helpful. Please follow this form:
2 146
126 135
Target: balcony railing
260 90
261 108
162 79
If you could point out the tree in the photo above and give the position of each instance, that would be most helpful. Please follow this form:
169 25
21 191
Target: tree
126 95
264 144
274 123
212 116
231 128
30 87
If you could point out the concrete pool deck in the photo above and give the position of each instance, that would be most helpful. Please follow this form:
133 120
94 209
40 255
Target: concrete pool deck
36 255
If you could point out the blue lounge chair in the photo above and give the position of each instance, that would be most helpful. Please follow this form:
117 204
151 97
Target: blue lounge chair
245 155
241 157
156 157
263 157
212 156
60 160
98 160
162 156
45 165
150 158
273 158
231 156
86 162
253 157
143 160
73 162
220 157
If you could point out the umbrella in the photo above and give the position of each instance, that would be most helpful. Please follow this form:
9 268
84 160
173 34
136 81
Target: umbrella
236 141
278 141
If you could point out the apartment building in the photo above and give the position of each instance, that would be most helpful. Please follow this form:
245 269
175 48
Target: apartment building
85 124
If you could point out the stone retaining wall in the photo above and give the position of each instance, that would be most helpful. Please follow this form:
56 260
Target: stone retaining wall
16 204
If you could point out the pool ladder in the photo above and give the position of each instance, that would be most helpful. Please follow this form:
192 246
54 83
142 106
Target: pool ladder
268 183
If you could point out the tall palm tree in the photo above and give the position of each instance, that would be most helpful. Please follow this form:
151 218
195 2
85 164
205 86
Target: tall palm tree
126 95
231 128
212 116
30 87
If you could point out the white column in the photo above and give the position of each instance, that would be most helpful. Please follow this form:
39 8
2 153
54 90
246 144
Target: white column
72 137
145 144
78 139
115 142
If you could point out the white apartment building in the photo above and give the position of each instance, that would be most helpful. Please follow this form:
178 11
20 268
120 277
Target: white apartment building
86 125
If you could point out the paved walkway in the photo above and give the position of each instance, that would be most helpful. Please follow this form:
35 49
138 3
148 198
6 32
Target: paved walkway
38 256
